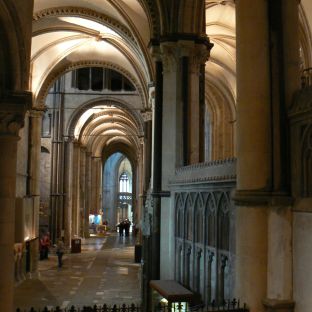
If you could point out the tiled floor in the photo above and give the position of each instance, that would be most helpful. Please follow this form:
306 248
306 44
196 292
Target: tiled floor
104 272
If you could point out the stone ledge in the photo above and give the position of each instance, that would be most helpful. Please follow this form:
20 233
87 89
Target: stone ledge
275 305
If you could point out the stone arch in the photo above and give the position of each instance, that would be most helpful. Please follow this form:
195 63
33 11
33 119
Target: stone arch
88 14
199 219
188 218
179 208
109 101
152 13
223 223
210 217
66 66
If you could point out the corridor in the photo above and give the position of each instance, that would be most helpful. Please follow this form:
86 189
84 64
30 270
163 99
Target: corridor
104 272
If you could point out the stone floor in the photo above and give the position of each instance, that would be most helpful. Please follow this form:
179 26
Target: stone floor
104 272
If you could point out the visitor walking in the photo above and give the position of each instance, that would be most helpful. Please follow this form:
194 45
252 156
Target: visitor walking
60 252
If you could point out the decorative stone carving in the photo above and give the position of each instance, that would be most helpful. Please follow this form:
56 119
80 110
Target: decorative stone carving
148 215
172 52
147 115
169 56
12 112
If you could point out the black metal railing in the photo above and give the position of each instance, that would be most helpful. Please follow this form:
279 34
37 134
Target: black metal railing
227 306
103 308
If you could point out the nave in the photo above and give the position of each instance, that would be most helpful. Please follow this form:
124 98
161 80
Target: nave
104 272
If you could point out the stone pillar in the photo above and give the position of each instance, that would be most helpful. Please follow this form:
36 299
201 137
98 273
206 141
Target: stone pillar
68 180
193 56
35 118
284 38
82 188
11 120
75 190
253 150
95 184
88 200
263 265
182 61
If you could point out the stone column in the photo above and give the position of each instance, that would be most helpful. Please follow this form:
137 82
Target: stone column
68 180
75 190
182 61
95 184
82 188
263 265
253 151
193 56
88 200
11 120
35 118
284 38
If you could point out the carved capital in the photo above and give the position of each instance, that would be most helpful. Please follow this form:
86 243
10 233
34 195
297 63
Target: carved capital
69 139
13 108
172 52
147 115
169 56
37 112
198 54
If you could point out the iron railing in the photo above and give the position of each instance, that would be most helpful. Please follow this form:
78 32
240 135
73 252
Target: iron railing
95 308
227 306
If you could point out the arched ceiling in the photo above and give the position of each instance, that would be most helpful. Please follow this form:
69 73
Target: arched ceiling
102 126
111 31
220 27
305 33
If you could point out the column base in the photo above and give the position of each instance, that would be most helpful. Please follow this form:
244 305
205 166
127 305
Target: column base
275 305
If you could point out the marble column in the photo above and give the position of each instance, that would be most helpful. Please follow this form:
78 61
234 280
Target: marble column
75 190
12 114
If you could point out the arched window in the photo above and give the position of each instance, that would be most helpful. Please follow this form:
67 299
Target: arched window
124 183
99 79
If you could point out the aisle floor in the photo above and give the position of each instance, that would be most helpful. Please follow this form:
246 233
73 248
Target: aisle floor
104 272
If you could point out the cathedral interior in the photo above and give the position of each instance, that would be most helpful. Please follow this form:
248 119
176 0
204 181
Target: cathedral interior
190 118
